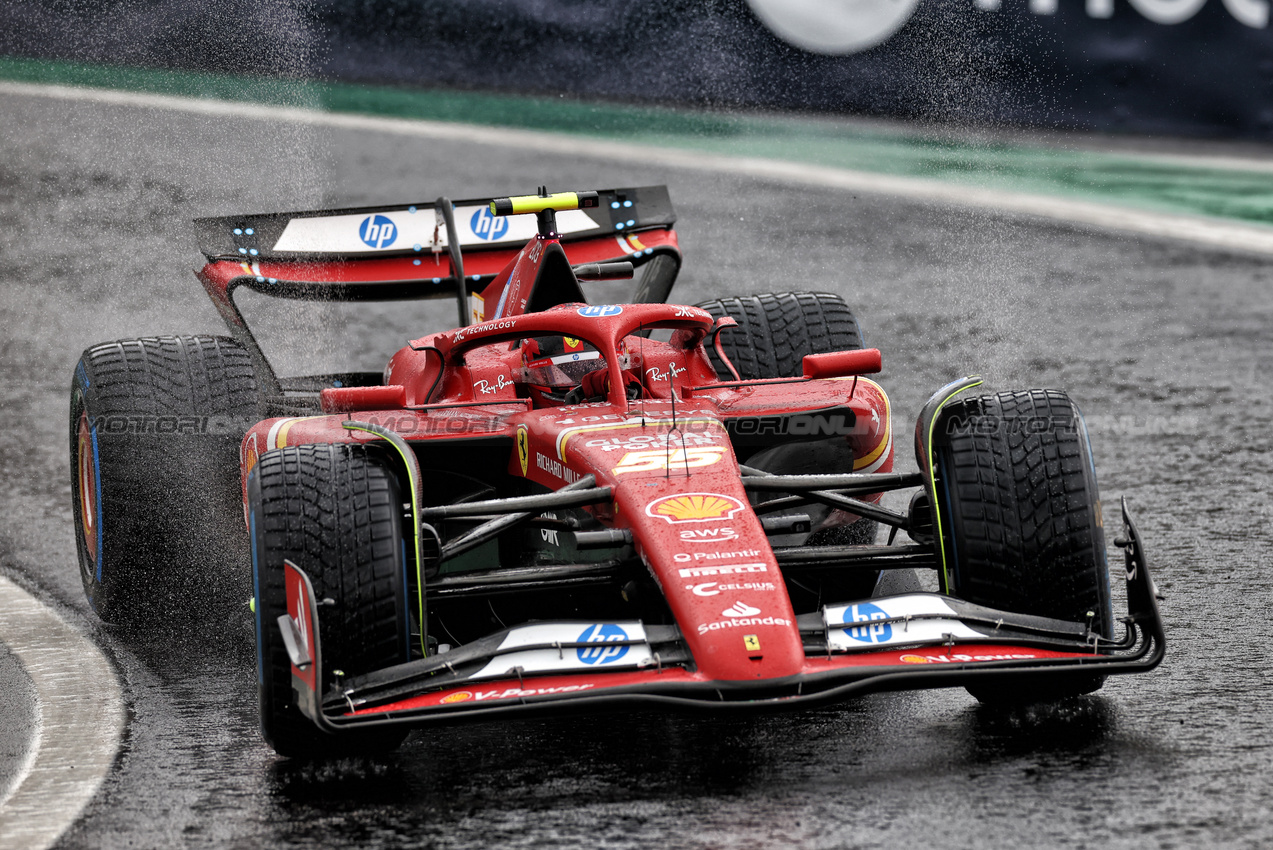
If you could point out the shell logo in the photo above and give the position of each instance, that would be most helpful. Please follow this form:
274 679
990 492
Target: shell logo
914 659
694 507
458 696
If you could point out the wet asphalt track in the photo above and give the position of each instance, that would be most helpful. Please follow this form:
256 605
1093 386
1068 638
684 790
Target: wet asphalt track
1167 348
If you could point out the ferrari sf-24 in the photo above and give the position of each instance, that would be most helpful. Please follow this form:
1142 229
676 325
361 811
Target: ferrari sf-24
560 505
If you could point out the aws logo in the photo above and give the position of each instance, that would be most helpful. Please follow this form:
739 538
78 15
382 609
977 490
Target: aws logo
708 535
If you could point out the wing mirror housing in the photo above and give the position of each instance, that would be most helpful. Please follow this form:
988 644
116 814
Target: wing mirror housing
842 364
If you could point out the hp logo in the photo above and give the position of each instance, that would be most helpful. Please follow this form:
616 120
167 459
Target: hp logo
600 310
603 634
487 226
378 231
872 631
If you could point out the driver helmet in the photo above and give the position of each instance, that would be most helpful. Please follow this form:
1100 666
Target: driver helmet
554 365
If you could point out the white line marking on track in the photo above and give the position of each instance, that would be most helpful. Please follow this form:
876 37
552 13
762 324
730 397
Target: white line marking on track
1214 232
81 721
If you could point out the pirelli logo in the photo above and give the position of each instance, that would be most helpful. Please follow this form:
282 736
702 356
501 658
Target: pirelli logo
723 570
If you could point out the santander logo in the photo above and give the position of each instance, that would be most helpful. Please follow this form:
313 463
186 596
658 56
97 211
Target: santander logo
740 609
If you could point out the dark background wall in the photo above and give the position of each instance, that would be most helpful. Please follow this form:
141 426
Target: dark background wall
1208 75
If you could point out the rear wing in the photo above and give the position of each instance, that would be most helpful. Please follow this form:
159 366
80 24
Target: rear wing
415 230
405 253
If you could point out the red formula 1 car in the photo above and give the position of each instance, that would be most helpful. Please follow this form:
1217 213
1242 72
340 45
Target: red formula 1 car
565 506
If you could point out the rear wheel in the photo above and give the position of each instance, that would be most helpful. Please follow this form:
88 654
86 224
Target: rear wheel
155 429
1021 520
776 331
336 512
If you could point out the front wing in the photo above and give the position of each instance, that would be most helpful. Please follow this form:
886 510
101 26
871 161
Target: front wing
918 640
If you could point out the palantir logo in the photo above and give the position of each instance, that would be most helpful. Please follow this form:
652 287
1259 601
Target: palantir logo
487 226
378 231
875 632
603 634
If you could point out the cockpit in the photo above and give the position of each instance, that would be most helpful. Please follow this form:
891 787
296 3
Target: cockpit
560 370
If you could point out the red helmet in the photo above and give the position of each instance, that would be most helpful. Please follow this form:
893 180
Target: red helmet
554 368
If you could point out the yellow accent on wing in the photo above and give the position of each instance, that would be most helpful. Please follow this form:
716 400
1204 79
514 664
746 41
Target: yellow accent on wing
523 204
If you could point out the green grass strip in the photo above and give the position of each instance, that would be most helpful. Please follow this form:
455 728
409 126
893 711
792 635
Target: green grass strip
1116 178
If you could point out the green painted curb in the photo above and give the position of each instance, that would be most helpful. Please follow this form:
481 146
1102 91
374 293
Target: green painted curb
1128 180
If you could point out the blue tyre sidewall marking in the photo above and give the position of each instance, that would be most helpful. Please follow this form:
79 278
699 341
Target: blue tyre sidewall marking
82 376
97 503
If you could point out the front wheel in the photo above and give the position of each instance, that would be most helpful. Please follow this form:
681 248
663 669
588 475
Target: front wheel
154 441
336 512
1020 521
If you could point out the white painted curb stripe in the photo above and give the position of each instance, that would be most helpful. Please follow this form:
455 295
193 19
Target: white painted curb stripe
1213 232
81 721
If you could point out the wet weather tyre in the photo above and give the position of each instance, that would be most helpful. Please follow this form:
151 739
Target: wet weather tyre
776 331
155 428
1020 521
336 512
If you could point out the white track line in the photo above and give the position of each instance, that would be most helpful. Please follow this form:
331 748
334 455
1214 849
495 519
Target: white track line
81 721
1214 232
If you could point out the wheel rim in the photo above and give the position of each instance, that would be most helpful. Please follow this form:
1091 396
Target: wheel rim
88 488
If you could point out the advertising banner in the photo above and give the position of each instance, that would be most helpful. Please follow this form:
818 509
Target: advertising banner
1195 67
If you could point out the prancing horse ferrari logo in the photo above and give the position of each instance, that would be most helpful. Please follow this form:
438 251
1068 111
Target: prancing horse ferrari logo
523 448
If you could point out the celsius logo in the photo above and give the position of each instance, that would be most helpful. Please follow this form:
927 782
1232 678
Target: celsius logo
378 231
865 612
602 633
487 226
